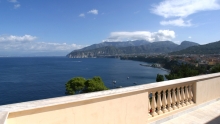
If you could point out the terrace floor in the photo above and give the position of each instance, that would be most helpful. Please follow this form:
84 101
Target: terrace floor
209 114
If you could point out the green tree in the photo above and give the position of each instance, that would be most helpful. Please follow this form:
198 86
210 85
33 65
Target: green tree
81 85
94 84
215 69
75 85
183 70
159 78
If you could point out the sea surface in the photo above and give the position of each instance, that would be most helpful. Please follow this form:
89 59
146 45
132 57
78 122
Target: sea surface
33 78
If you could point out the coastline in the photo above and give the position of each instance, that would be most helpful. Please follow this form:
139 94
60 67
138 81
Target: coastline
152 66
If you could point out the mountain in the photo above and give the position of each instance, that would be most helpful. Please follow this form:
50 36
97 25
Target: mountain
134 48
116 44
211 48
103 51
154 47
186 44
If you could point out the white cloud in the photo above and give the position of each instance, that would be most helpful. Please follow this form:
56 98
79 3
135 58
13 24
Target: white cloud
161 35
17 38
82 15
177 22
26 44
13 1
184 8
17 6
45 46
94 11
189 37
181 9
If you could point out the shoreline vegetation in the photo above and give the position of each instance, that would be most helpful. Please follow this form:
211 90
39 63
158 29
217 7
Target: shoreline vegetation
159 61
153 66
176 68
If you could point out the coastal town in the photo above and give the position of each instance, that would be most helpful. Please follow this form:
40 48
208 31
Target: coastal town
196 60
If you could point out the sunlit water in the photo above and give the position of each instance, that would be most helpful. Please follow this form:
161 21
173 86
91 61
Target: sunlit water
33 78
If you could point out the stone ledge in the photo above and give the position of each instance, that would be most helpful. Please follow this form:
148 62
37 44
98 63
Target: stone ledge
3 117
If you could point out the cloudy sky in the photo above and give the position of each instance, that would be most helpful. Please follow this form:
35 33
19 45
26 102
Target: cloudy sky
56 27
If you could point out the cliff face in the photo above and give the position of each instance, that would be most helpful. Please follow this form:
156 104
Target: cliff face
138 47
103 51
115 44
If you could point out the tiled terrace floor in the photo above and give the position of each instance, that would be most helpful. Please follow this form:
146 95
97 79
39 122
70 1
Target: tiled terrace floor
209 114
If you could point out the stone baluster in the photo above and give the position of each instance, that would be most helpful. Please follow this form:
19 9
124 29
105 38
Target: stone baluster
164 102
182 96
190 94
153 105
178 97
159 103
149 108
187 95
169 100
174 99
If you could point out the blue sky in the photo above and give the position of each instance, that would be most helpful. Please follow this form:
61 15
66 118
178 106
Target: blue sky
56 27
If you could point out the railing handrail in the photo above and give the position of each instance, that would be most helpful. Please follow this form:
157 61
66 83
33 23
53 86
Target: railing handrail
181 81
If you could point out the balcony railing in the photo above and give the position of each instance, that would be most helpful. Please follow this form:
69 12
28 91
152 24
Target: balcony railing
169 99
137 104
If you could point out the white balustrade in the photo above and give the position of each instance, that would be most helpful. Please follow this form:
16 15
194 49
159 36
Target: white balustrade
183 96
153 105
149 109
164 102
178 97
170 99
174 99
187 95
190 94
159 103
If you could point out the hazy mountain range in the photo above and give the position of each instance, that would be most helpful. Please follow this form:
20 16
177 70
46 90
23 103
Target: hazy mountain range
129 47
210 48
115 44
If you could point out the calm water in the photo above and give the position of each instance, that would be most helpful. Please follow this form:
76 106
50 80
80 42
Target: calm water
33 78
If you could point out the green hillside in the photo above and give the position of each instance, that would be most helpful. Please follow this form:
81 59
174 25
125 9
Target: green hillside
211 48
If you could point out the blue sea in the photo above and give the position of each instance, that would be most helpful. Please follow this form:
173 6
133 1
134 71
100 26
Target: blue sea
33 78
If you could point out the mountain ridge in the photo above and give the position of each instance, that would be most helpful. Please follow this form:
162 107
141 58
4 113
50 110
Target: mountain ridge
115 44
210 48
135 48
